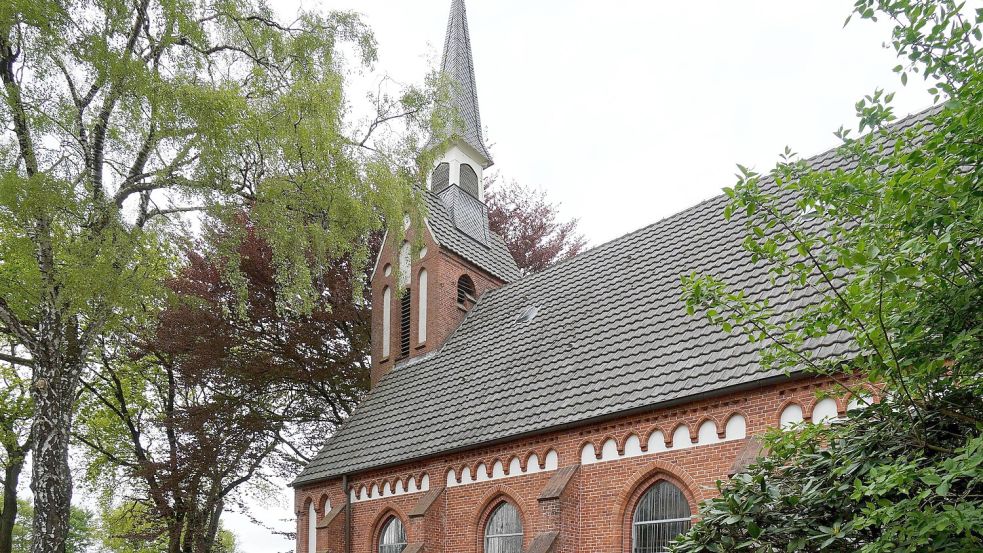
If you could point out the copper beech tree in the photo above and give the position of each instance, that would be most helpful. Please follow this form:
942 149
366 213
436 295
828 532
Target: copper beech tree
119 117
531 226
226 392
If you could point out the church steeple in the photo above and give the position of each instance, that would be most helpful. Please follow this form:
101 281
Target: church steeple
467 156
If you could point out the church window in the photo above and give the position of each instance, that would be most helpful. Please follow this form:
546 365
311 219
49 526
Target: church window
421 324
393 536
404 323
441 177
503 533
311 528
404 265
465 290
469 180
662 514
386 320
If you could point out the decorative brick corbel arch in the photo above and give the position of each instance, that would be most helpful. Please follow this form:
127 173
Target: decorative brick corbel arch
301 506
488 503
717 427
647 436
689 427
637 485
777 417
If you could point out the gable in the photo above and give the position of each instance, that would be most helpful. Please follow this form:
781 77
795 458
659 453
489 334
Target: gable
610 336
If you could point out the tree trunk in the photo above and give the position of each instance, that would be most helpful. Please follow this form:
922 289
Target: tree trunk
54 388
9 514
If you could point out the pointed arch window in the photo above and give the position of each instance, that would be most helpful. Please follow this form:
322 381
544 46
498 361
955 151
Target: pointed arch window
392 539
421 323
465 290
661 515
469 180
503 532
311 528
440 177
387 313
405 317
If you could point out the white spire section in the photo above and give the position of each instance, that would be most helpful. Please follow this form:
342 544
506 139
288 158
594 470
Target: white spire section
458 65
466 156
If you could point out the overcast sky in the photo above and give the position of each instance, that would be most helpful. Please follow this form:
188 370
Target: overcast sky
626 112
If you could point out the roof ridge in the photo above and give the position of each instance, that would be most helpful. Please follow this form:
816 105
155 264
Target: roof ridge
900 122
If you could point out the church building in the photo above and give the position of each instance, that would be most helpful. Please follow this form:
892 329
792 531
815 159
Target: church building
576 410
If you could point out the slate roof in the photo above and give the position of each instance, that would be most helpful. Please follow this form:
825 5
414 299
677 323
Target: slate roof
611 336
458 234
458 66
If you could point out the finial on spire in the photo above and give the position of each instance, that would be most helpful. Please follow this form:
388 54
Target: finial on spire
459 68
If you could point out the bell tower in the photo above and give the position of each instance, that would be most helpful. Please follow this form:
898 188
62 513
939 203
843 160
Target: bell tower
466 156
420 297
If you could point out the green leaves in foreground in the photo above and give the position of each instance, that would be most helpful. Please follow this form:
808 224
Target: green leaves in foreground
892 245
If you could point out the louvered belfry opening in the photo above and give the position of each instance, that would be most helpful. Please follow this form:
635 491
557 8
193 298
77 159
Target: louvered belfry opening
469 180
465 291
441 177
404 324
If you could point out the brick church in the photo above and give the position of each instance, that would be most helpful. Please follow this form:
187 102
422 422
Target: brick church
580 409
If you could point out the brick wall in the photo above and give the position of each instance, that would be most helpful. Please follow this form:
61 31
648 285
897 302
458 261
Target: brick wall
593 514
443 312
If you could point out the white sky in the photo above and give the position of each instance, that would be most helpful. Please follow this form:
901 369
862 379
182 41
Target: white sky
627 111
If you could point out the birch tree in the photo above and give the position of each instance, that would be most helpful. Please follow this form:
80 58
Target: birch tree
120 117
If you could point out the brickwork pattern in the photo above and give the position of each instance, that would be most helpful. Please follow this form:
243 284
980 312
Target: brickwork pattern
593 514
444 314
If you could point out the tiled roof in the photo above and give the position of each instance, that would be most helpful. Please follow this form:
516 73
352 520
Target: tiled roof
489 254
611 336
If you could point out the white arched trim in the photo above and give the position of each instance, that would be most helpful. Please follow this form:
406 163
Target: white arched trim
736 428
825 411
392 490
680 437
387 313
552 460
422 309
707 433
609 451
498 472
311 528
791 415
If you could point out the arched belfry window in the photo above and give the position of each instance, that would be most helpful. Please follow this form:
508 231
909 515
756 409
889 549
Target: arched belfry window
311 527
440 177
422 282
469 180
392 539
465 290
503 533
387 313
662 514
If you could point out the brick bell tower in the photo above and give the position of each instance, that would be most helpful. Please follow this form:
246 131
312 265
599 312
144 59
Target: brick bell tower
419 298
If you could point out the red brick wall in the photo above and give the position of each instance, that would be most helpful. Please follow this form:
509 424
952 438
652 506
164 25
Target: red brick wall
594 512
443 313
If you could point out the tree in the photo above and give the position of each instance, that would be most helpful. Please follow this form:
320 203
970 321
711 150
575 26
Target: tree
216 396
128 529
530 225
15 419
82 529
124 115
894 246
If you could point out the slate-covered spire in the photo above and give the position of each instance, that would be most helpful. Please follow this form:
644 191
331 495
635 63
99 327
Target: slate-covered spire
459 68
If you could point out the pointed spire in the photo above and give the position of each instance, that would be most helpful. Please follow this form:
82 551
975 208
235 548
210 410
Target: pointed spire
459 68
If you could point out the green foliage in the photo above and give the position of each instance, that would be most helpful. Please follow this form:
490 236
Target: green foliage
121 118
82 529
893 245
125 529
